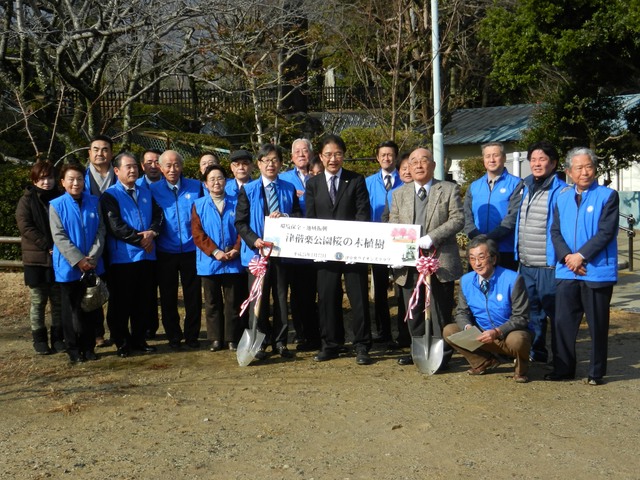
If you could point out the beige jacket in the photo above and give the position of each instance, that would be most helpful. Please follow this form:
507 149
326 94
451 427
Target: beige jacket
444 219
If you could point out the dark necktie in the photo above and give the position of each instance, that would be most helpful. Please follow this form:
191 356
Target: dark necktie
422 193
332 189
484 287
387 182
272 198
131 192
578 199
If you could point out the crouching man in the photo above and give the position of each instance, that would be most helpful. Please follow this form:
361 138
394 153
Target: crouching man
495 300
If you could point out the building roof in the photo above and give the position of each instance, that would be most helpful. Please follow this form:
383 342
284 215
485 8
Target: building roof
489 124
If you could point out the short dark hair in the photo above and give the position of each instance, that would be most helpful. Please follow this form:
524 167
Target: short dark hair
151 150
404 157
268 148
548 149
211 168
71 166
387 144
42 169
326 140
117 162
102 138
480 240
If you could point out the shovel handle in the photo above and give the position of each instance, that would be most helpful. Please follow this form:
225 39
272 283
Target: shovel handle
268 248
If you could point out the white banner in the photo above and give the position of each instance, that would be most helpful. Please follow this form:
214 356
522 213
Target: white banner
343 241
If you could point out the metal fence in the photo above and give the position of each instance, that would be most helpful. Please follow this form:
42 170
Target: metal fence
210 100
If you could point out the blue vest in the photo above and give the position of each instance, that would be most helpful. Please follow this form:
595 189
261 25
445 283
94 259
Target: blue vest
578 225
81 224
176 236
255 195
378 194
292 177
138 216
489 207
220 229
494 309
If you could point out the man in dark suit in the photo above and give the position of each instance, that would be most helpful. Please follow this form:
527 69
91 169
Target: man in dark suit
340 194
271 197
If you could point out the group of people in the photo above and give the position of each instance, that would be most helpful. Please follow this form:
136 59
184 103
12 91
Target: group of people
538 249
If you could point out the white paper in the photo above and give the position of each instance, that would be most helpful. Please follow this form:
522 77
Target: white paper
467 339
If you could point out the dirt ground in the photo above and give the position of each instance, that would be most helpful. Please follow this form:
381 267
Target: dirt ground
198 415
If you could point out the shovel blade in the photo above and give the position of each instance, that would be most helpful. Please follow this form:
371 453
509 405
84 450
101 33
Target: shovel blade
427 353
248 346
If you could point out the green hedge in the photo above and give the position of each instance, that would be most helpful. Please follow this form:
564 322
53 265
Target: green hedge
13 181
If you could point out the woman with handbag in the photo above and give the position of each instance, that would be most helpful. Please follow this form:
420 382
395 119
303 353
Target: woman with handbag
78 235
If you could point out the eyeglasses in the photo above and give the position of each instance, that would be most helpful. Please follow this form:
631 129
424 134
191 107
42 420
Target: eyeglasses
336 155
420 161
479 258
271 161
216 180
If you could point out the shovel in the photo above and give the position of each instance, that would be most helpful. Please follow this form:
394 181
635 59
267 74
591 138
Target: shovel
252 339
427 351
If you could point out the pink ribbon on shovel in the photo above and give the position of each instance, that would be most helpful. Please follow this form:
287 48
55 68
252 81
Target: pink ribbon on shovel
258 268
426 266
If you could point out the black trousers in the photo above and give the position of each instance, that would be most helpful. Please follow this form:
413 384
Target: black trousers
330 304
174 267
79 327
222 300
442 303
573 299
380 275
131 290
302 281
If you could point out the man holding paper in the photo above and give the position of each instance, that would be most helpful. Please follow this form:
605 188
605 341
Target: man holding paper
494 301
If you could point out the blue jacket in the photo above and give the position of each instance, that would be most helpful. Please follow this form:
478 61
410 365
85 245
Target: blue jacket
90 185
251 211
175 236
81 224
490 207
378 194
556 185
221 230
496 308
231 188
138 216
590 230
292 177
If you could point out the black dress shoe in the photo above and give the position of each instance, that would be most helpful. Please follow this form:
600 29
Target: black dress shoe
123 351
261 354
556 377
75 357
144 347
195 344
90 355
406 360
324 355
343 349
363 358
175 345
284 351
216 346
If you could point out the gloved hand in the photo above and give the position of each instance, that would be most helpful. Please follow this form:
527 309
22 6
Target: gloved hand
319 260
350 263
396 267
425 242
